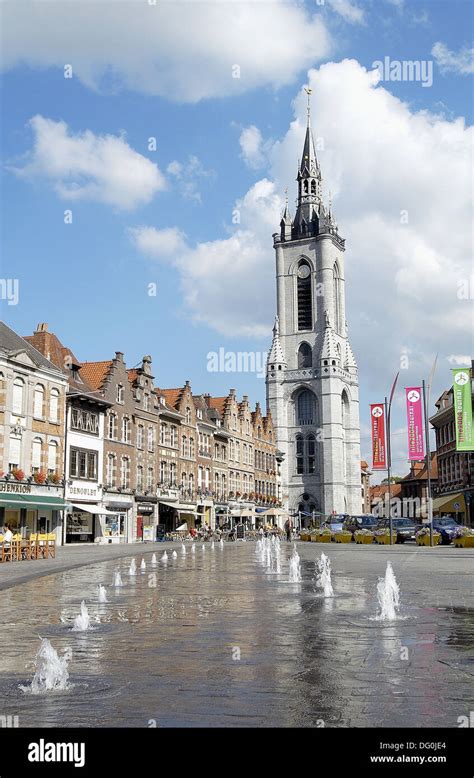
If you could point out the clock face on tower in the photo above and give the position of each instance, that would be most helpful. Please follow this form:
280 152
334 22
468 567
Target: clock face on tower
304 271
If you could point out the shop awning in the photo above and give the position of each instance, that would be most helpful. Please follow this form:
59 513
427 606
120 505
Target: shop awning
178 507
89 507
32 501
454 503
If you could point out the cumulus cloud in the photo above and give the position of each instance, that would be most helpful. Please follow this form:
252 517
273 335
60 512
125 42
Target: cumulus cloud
448 61
84 166
350 13
189 175
252 147
184 51
402 191
463 360
166 243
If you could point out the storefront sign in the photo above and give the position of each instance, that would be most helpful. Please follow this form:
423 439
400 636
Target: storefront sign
82 491
463 409
145 508
379 454
416 448
7 486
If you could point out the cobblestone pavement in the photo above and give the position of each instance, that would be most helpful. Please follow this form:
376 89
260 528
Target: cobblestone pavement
212 639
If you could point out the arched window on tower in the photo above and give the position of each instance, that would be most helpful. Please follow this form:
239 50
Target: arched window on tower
337 297
305 303
313 187
305 356
305 186
311 453
299 455
305 408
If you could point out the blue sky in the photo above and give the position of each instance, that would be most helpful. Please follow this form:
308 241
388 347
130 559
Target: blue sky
89 279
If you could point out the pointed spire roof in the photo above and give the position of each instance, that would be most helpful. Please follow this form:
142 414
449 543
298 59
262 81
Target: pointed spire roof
309 165
276 354
286 218
350 360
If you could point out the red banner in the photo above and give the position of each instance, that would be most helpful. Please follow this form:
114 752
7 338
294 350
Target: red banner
379 453
416 445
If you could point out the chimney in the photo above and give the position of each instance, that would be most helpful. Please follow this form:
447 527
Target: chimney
119 356
41 327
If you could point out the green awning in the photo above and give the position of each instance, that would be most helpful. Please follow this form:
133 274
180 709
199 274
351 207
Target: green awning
32 501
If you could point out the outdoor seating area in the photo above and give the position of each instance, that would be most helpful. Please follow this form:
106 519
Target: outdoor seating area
36 546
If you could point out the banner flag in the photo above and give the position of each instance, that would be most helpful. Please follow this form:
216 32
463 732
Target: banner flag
462 395
416 446
379 453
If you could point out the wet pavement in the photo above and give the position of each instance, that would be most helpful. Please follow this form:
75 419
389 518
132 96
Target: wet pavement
211 639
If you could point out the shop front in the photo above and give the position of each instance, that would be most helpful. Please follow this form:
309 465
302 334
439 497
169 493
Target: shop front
28 508
115 520
147 509
174 515
451 505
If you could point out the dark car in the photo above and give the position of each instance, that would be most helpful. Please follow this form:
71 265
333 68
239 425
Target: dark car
334 523
353 523
447 527
405 528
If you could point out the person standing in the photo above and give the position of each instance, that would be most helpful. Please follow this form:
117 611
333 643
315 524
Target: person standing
288 528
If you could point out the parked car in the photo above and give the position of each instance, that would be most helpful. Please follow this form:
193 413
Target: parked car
353 523
334 523
405 528
447 527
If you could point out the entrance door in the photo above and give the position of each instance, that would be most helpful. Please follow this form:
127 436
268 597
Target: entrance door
139 527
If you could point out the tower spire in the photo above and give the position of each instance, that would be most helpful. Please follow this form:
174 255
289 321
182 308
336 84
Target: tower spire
309 182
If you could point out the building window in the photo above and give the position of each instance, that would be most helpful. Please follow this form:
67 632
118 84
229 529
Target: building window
36 455
305 408
110 472
188 415
151 440
191 447
112 431
173 436
173 473
305 356
139 479
18 396
162 472
54 405
305 315
200 472
184 446
146 402
120 394
125 473
126 431
311 454
38 402
150 479
52 457
299 455
163 434
85 421
14 453
140 436
83 464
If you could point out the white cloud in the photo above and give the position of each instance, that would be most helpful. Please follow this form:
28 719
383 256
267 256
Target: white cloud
350 12
251 144
158 243
448 61
380 159
459 359
184 51
84 166
189 175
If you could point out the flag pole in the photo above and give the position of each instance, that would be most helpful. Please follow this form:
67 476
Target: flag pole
389 454
428 461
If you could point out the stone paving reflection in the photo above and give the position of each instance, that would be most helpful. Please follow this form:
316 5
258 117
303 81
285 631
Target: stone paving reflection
167 648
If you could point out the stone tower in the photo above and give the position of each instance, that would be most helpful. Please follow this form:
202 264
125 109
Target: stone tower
312 379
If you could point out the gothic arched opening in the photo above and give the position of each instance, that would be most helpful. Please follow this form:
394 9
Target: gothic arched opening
305 356
305 302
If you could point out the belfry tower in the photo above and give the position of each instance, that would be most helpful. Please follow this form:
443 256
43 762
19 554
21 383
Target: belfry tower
312 378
